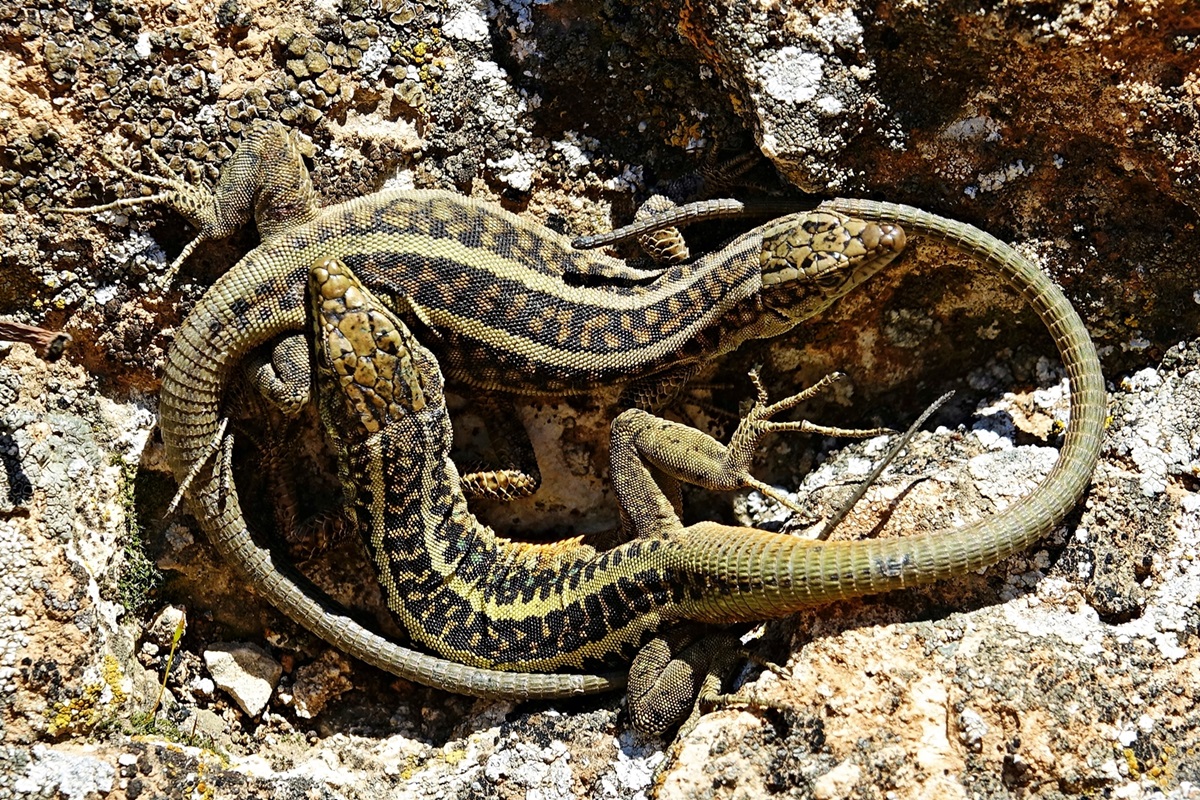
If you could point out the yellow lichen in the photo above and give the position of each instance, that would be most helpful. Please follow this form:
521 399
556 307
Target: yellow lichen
1163 773
110 670
454 756
409 769
1131 762
93 703
203 788
77 714
685 133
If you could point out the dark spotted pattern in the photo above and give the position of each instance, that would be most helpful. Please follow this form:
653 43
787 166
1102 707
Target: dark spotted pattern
489 296
456 587
469 596
717 561
495 330
296 233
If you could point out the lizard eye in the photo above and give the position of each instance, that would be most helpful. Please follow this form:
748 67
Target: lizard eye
830 280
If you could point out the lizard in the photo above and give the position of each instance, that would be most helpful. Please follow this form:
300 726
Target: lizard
470 596
441 256
510 306
217 504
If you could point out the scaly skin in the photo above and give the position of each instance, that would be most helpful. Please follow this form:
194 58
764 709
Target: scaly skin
1024 522
477 599
778 576
573 338
260 299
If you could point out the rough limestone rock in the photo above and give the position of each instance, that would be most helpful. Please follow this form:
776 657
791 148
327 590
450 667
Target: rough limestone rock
1070 129
244 670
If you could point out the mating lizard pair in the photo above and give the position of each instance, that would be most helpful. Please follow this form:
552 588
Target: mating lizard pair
489 293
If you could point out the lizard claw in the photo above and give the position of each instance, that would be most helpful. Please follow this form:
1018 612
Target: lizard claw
757 421
216 445
197 205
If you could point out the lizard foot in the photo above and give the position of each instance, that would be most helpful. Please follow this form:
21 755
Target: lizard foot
197 205
757 423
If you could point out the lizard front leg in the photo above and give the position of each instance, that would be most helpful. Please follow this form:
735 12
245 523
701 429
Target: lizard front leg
266 178
282 373
678 673
652 455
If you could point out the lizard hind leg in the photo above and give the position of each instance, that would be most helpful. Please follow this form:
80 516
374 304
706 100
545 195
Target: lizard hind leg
650 456
265 180
199 206
679 676
672 672
514 472
666 246
191 201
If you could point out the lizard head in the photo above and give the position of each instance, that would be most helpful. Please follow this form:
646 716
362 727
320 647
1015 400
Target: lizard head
811 259
365 354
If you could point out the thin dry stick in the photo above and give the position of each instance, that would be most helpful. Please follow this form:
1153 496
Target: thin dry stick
49 344
875 473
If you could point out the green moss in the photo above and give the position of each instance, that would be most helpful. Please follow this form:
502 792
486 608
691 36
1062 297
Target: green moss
139 578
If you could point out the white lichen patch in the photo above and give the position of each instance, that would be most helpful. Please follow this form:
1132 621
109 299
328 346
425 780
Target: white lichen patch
841 29
1009 474
374 59
576 149
1156 434
996 180
517 170
499 97
16 587
830 105
539 771
973 129
466 20
790 74
632 768
71 776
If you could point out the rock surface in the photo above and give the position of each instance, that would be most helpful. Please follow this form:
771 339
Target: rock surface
245 671
1069 129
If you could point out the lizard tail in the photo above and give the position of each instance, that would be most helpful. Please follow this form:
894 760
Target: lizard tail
771 575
